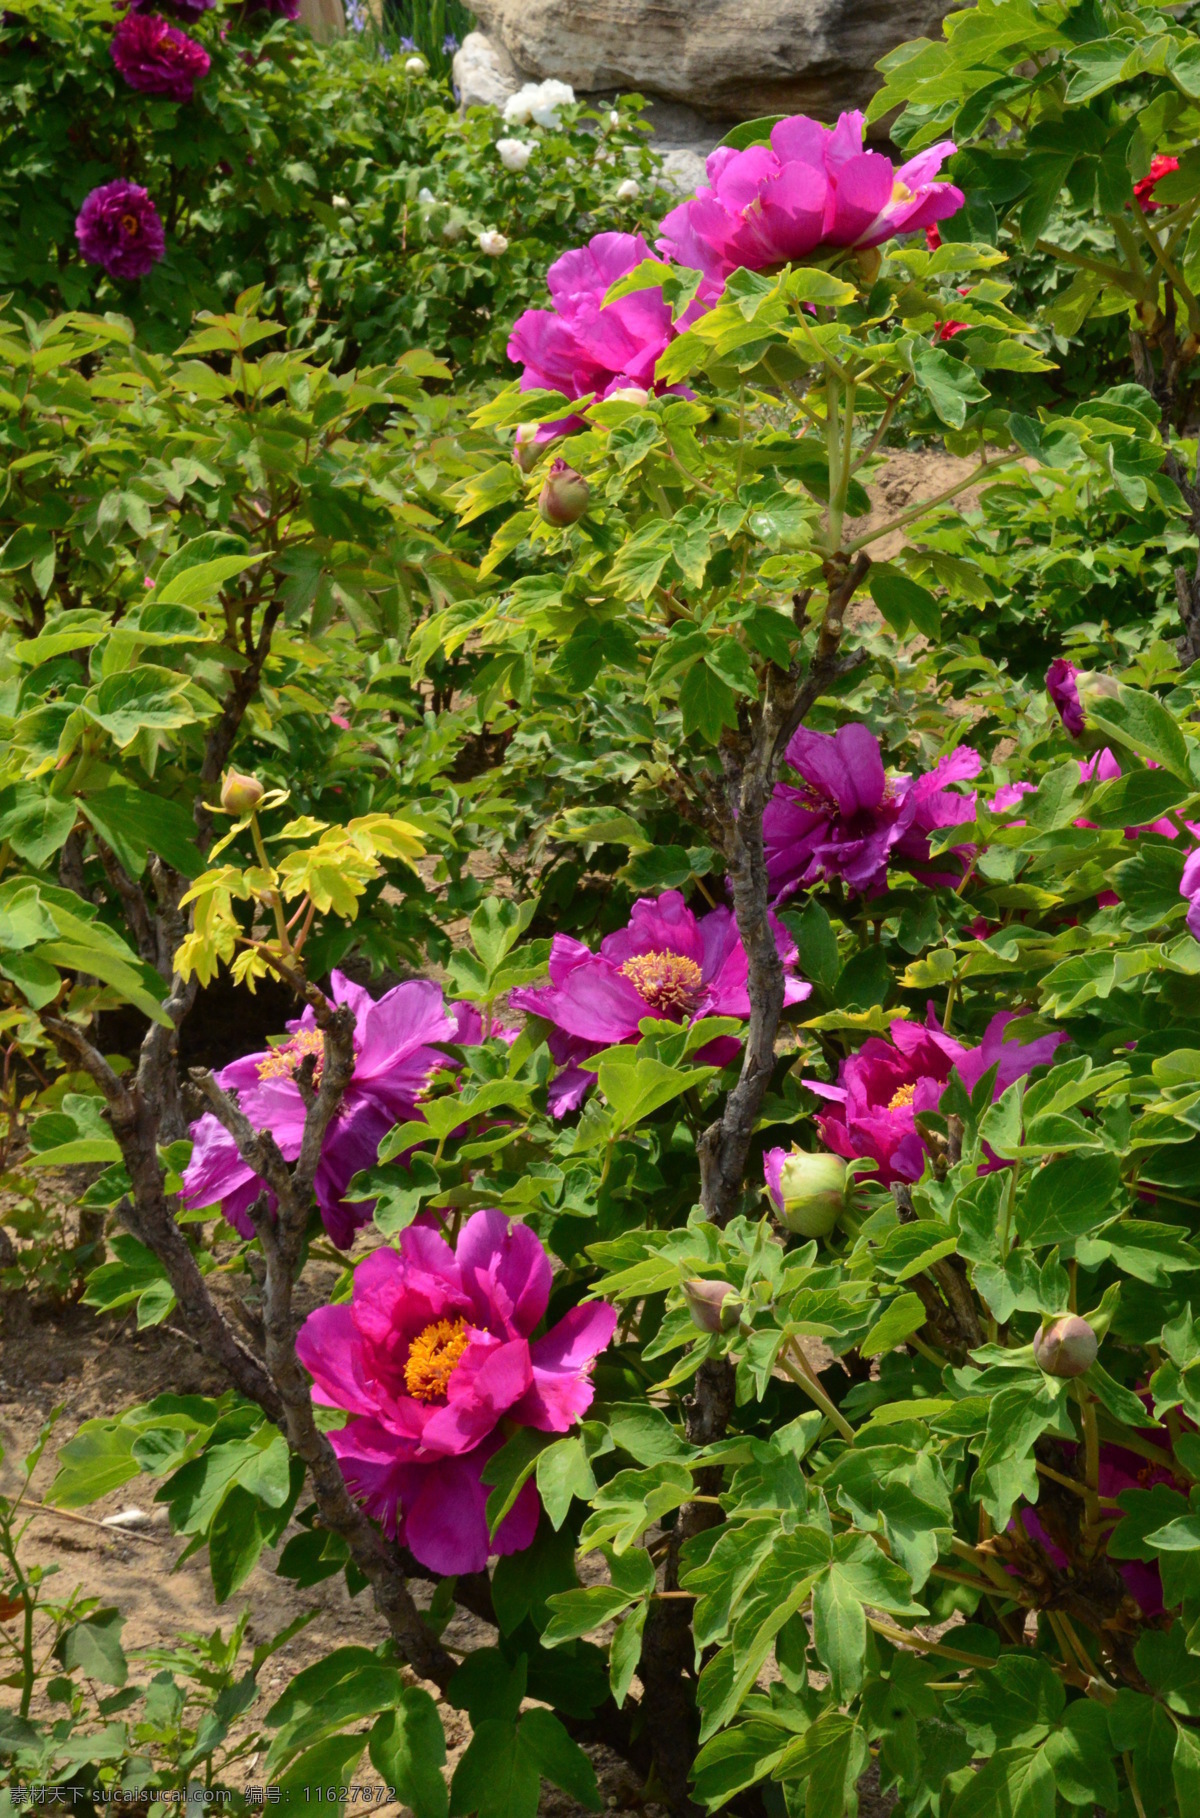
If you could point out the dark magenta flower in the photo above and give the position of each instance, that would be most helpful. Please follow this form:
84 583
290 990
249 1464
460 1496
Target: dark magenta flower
157 58
119 228
282 9
813 190
435 1361
881 1089
581 346
1189 886
849 819
1063 691
394 1058
667 963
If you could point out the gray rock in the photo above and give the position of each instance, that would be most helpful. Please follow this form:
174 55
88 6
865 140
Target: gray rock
683 171
725 58
484 73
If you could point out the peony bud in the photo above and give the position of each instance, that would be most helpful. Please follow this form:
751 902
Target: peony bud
514 153
240 794
1094 685
614 119
628 394
1065 1346
713 1305
493 243
564 497
526 449
808 1191
415 66
628 190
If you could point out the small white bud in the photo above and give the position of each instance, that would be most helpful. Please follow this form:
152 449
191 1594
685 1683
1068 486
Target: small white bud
493 243
627 191
426 198
415 66
514 153
614 119
340 201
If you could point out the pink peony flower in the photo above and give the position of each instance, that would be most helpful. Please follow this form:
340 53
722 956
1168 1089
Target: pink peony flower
394 1058
1104 768
157 58
667 963
849 819
881 1089
434 1360
811 191
119 228
581 346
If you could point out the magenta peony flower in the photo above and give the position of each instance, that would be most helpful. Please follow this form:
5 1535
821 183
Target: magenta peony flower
434 1361
393 1061
666 963
880 1090
283 9
812 190
848 819
157 58
119 228
1189 886
1103 767
1062 689
581 346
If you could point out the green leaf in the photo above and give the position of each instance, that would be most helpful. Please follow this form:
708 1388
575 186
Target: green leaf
816 943
625 1652
558 1758
1018 1783
1080 1755
827 1761
1141 722
509 1469
840 1632
34 823
564 1472
235 1541
899 1320
1066 1199
497 1776
93 1647
194 574
637 1088
134 822
1137 799
949 383
753 132
330 1763
708 703
145 699
407 1746
97 1460
903 602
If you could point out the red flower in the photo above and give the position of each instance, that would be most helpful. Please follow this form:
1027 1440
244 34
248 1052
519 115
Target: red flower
1160 166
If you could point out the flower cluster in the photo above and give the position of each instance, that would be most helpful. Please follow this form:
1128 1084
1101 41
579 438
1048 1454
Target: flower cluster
394 1056
435 1361
814 190
667 963
157 58
882 1089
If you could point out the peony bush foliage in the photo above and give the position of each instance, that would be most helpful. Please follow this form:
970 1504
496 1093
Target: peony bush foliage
700 1167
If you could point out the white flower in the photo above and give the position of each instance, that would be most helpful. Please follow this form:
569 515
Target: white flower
340 201
539 102
628 190
415 66
614 119
426 197
514 153
493 243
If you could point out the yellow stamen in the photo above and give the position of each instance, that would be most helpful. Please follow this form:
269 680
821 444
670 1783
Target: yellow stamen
901 1098
129 224
286 1060
666 981
901 192
432 1356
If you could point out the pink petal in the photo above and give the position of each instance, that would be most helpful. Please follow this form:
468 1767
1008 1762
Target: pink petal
488 1378
506 1272
329 1346
561 1392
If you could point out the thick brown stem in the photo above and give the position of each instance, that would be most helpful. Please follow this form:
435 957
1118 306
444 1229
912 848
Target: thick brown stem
751 762
667 1665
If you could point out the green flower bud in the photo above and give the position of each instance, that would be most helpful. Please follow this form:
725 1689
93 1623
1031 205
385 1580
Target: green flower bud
1065 1346
564 497
240 795
714 1305
526 452
808 1191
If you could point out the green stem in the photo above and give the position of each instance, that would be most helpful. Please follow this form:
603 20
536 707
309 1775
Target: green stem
804 1379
